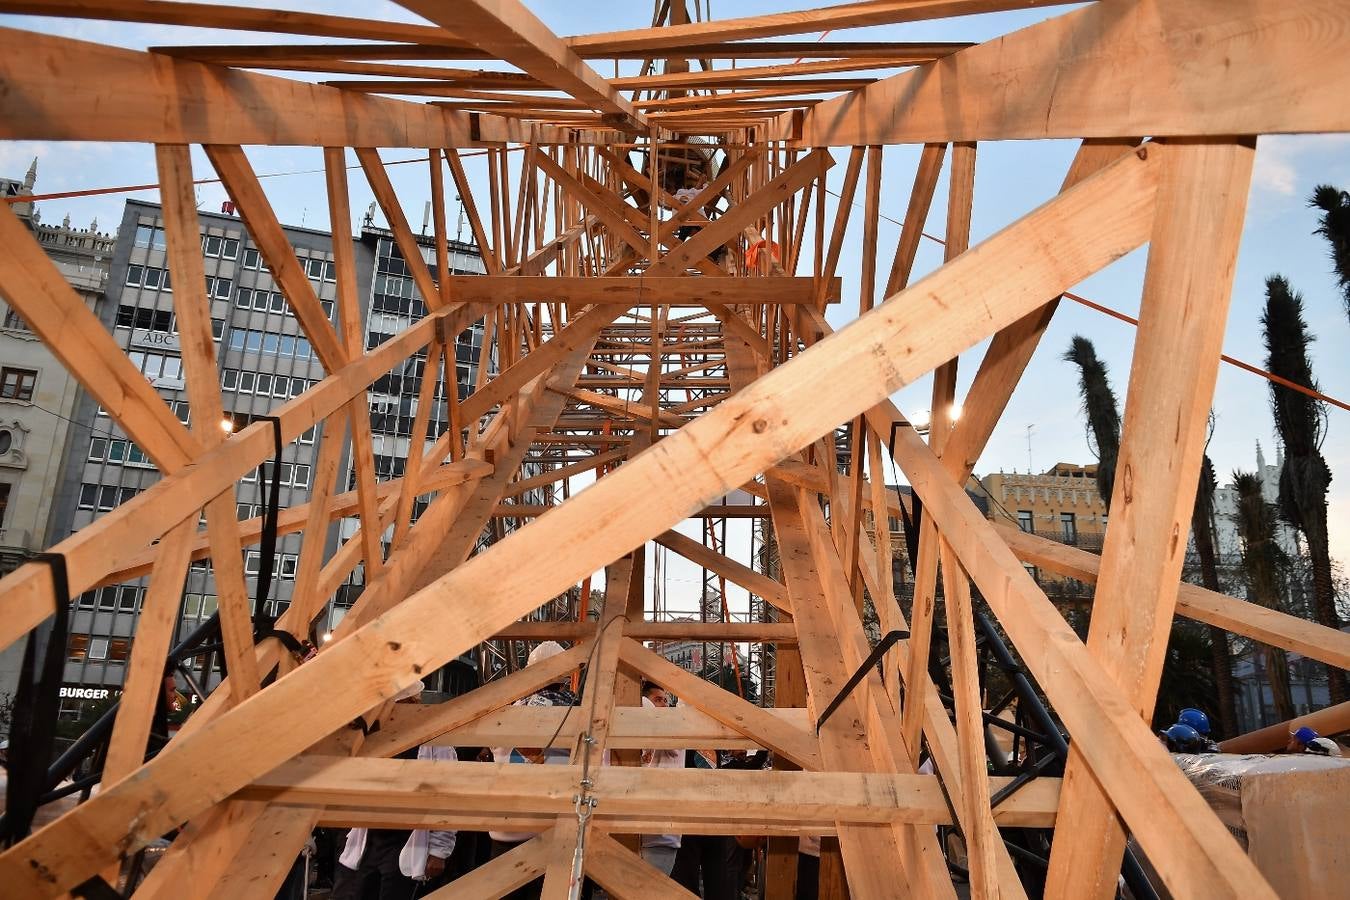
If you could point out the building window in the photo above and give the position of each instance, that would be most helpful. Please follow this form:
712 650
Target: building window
251 259
150 237
145 318
98 648
1025 521
1068 528
4 493
17 384
14 321
77 648
219 288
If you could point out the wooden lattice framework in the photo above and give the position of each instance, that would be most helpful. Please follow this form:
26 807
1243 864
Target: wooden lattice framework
583 272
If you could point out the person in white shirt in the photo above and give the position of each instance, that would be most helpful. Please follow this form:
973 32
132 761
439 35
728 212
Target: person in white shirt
659 849
395 857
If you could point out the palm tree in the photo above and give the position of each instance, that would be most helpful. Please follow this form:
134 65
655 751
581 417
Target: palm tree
1334 225
1305 478
1099 402
1261 563
1202 528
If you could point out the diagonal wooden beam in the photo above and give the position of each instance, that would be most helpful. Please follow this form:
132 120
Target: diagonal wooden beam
732 711
408 726
261 221
725 228
760 585
623 873
499 877
509 31
34 287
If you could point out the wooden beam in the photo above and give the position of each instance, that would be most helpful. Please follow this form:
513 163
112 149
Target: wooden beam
623 873
34 288
631 728
499 877
1242 617
743 798
509 31
725 228
847 15
732 711
1202 200
672 290
179 101
1045 81
760 585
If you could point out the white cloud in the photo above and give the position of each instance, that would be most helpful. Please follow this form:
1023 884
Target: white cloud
1279 156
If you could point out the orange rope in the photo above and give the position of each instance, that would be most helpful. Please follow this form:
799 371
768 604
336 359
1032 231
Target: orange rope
1231 360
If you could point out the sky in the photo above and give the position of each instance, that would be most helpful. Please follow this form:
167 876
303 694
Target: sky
1044 423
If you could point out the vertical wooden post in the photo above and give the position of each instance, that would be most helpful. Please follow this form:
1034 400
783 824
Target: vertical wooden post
1202 200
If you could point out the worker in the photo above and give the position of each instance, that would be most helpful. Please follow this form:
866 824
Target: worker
1184 739
1307 740
660 850
808 867
555 693
1195 718
394 859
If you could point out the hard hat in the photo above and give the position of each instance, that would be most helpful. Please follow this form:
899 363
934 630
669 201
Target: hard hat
545 651
1305 735
1183 739
1195 718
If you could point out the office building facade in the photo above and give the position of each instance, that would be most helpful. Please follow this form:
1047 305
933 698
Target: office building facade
264 360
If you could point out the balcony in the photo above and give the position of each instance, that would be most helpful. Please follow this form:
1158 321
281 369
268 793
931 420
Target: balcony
14 539
14 549
1090 542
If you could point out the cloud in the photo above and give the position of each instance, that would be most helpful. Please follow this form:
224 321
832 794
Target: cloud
1280 157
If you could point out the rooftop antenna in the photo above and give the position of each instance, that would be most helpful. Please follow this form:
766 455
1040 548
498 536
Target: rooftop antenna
1030 429
459 228
369 220
426 217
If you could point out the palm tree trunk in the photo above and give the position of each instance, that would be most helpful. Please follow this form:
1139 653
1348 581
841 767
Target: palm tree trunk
1221 658
1202 529
1324 610
1277 673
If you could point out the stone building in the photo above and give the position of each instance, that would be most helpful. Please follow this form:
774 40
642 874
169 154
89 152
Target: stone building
38 396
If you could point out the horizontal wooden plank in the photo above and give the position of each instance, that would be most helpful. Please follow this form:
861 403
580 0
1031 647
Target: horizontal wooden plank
1203 67
112 94
741 797
631 728
824 19
1268 626
678 630
641 291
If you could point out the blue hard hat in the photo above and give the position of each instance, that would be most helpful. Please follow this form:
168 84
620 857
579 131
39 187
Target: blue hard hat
1195 718
1305 735
1183 739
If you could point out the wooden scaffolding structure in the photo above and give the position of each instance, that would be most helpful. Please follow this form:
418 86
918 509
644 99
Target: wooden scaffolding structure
629 337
